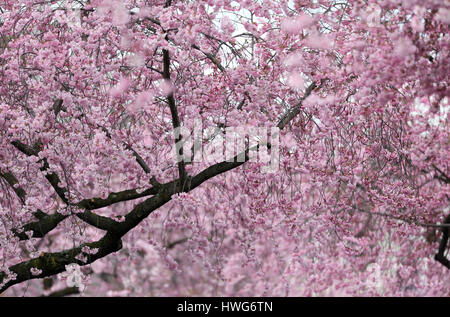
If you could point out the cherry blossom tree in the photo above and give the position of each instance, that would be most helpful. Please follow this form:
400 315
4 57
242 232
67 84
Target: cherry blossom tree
101 193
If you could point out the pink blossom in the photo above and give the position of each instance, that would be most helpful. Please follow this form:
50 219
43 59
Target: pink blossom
319 41
167 87
120 88
35 271
443 15
120 15
404 47
226 25
294 60
296 81
417 23
296 24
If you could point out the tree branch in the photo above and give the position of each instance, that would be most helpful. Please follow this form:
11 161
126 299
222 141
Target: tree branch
138 158
53 263
39 228
175 119
51 177
65 292
440 256
211 57
12 181
297 108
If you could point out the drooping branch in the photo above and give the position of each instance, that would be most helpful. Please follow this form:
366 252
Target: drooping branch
52 177
409 221
58 107
441 175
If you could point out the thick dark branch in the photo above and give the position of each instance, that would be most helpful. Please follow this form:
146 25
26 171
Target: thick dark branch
53 263
57 106
219 168
65 292
13 182
41 227
47 223
114 198
145 208
95 220
175 119
106 223
26 149
443 245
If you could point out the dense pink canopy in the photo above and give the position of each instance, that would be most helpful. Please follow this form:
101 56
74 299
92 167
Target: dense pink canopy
92 197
